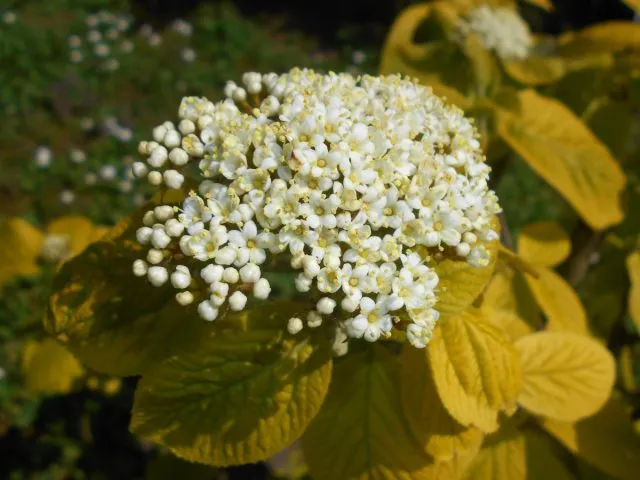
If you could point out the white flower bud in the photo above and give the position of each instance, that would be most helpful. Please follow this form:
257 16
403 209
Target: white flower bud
261 289
326 305
219 292
174 228
181 278
173 179
463 249
139 169
314 319
159 132
230 275
186 126
154 177
143 235
184 298
158 276
302 283
349 304
226 256
179 157
237 301
139 268
294 325
158 157
311 266
207 311
469 237
172 139
163 212
154 256
159 238
149 218
212 273
250 273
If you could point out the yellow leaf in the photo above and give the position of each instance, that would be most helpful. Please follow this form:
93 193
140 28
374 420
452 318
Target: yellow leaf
112 321
544 243
510 304
544 458
633 4
633 267
607 440
240 394
566 376
20 244
49 368
626 362
460 283
79 232
559 302
442 436
606 37
475 369
563 151
439 64
536 70
502 457
544 4
360 431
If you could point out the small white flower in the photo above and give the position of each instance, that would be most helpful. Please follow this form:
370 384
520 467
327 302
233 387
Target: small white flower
43 156
158 276
181 278
237 301
326 305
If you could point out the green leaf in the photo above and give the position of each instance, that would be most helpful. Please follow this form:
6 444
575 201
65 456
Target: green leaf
563 151
241 393
361 432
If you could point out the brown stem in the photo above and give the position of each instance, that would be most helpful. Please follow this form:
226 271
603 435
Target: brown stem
585 243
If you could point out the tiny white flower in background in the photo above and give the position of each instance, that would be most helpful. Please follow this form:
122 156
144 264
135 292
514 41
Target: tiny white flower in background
67 197
55 247
155 39
74 41
354 182
9 17
77 156
43 156
90 178
188 55
358 57
108 172
500 29
182 27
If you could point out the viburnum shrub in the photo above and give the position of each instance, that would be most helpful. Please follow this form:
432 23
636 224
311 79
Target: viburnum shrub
312 266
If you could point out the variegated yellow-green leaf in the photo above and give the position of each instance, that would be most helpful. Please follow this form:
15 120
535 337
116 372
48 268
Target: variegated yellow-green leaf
167 467
460 283
536 70
112 321
502 457
475 369
544 4
442 436
544 243
20 244
563 151
360 431
607 440
633 267
606 37
241 393
49 368
559 302
566 376
437 64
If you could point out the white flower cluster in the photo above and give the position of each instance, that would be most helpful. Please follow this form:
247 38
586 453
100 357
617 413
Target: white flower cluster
102 40
355 183
500 29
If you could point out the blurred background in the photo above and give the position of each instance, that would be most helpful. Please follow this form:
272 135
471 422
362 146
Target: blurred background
81 82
